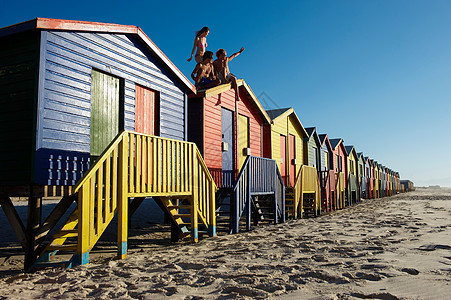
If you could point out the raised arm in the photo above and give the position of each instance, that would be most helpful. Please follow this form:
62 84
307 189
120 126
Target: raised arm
235 54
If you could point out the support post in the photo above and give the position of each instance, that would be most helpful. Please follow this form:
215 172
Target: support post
14 220
122 211
212 227
84 236
235 213
33 223
248 198
195 199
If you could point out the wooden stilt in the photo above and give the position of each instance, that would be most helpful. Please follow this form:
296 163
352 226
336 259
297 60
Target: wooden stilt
33 223
51 221
14 220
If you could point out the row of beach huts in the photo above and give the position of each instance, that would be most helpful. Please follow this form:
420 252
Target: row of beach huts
95 114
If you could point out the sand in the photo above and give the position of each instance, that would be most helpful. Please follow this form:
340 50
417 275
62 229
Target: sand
393 248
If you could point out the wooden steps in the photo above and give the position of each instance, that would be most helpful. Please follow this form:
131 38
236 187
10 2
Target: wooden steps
63 247
289 202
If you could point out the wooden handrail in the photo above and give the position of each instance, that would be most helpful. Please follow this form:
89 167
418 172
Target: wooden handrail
139 165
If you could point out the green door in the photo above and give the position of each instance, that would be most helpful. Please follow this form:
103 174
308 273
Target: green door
104 111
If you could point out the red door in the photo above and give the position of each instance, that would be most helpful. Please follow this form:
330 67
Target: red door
145 122
283 158
145 110
292 149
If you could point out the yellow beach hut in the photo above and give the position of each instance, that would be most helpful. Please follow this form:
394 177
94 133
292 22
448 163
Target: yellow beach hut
284 143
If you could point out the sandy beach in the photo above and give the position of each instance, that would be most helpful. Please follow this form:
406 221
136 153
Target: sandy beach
393 248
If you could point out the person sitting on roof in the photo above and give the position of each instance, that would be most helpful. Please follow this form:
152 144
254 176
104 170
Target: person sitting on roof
200 41
221 66
203 74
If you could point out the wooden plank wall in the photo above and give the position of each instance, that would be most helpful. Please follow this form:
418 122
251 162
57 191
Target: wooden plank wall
312 143
212 126
324 151
286 127
341 151
68 59
19 58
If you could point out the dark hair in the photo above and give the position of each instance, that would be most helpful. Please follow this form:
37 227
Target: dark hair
219 52
204 29
207 54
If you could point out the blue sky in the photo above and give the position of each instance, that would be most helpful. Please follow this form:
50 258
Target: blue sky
375 73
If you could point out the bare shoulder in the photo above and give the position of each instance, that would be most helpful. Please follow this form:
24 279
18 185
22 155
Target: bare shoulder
216 63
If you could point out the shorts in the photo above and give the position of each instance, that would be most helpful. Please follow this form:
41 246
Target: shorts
225 79
204 81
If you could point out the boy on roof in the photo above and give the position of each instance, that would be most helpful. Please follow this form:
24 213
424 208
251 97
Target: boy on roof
221 67
203 74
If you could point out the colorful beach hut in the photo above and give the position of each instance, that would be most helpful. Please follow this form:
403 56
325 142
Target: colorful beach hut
377 180
370 177
352 183
94 113
383 180
327 174
229 136
313 144
284 143
362 178
340 167
312 158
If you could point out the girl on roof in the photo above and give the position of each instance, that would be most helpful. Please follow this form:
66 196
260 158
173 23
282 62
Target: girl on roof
200 42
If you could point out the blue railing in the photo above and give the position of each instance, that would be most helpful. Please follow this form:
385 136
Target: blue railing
258 177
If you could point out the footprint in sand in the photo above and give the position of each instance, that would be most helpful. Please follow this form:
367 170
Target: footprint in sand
433 247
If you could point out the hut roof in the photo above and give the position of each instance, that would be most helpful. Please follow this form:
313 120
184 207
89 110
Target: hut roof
241 85
335 142
71 25
276 114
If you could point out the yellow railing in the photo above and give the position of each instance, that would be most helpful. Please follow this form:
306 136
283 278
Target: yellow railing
138 165
340 189
306 182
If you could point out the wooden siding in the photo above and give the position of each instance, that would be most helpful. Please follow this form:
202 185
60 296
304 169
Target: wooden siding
352 163
68 58
212 126
286 127
341 152
19 61
196 123
312 144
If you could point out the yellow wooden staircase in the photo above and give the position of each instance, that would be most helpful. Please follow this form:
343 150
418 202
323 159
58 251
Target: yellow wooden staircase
135 165
307 193
340 189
